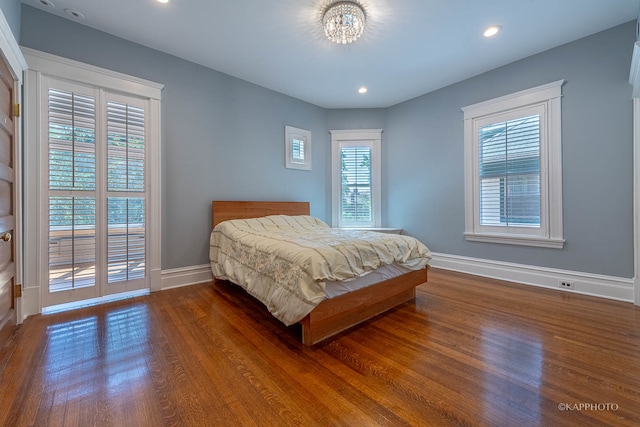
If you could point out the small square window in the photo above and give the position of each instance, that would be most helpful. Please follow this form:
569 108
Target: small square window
297 144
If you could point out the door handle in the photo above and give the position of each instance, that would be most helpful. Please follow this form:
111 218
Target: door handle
6 237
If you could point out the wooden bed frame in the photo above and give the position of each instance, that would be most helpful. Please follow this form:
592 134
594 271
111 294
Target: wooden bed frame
333 315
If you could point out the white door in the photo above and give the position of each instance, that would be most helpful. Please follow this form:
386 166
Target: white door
7 221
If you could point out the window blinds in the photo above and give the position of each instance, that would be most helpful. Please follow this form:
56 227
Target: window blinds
125 142
72 183
298 150
510 173
72 137
126 239
356 183
125 174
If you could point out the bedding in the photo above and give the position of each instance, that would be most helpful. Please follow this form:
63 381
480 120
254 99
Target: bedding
285 261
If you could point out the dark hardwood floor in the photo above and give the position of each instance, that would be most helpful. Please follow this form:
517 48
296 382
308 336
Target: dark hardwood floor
469 351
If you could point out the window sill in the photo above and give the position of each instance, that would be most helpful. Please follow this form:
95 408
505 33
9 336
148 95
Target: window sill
521 240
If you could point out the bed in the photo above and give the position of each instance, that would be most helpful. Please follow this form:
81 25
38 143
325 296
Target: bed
327 316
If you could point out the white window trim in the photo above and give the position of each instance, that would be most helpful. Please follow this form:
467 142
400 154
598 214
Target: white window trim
374 137
41 65
551 234
291 133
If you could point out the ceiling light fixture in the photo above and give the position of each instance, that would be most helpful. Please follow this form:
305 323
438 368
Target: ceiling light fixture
362 90
74 13
343 22
163 1
492 31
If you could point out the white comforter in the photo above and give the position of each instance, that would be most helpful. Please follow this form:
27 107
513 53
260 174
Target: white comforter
284 261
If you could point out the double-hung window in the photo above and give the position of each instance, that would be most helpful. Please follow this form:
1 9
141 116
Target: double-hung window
356 186
513 168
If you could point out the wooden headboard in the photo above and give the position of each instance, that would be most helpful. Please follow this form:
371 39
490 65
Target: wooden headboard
225 210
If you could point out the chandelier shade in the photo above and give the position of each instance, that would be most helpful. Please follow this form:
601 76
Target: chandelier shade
343 22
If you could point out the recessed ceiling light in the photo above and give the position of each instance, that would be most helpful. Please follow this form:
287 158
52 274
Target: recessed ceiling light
74 13
47 3
492 31
163 1
362 90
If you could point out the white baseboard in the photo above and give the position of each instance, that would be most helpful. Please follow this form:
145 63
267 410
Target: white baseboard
30 303
617 288
183 276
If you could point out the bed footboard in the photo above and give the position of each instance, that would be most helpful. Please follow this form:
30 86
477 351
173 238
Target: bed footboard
337 314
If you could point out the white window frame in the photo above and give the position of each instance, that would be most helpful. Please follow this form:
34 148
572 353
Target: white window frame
41 66
371 138
547 100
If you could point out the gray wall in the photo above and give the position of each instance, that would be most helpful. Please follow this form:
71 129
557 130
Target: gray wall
357 118
11 11
222 138
425 157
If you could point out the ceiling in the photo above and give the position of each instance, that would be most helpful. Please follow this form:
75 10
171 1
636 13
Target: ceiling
409 47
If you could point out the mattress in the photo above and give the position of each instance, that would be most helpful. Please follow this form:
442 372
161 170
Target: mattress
286 261
335 288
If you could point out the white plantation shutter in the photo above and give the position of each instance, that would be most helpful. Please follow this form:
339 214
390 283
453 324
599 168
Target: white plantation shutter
510 172
126 239
126 147
72 242
356 184
125 174
298 150
72 137
72 184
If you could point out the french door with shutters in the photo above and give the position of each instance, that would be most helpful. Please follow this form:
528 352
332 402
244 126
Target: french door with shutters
95 192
